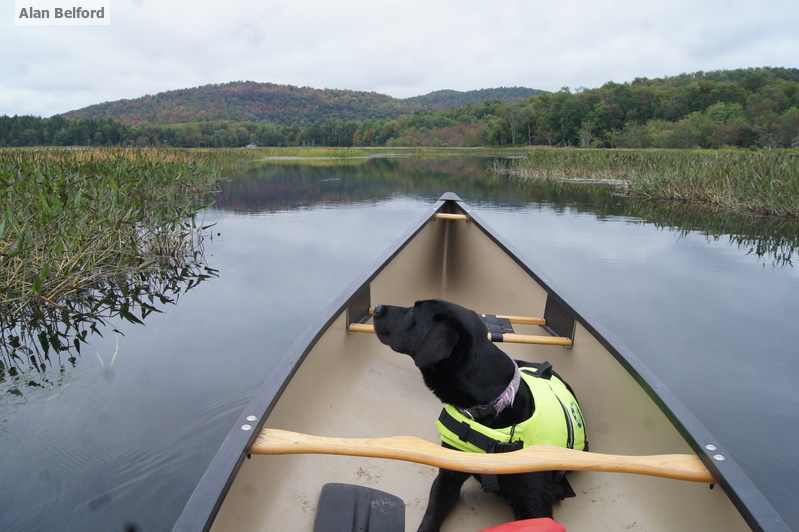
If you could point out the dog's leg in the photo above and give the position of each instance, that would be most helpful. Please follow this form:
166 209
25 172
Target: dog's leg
530 495
444 494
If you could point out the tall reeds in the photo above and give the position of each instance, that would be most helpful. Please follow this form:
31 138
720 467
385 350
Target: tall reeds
72 220
761 181
72 216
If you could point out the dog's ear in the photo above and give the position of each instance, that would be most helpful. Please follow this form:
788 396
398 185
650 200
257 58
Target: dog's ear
436 346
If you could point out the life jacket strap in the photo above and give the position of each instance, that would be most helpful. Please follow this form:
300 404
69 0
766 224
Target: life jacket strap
464 431
542 370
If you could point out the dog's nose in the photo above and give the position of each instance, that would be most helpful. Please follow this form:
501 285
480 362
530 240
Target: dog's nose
379 310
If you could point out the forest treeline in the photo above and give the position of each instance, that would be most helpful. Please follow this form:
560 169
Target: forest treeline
754 107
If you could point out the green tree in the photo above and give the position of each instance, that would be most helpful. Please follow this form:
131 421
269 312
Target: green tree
572 113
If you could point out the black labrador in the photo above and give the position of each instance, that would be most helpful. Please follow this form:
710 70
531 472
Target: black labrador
463 368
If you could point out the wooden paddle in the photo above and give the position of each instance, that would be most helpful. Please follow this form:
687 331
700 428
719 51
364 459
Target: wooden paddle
533 458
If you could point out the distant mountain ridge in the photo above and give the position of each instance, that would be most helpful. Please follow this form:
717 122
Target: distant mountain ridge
444 99
249 101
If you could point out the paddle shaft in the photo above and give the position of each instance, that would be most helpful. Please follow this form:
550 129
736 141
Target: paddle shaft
533 458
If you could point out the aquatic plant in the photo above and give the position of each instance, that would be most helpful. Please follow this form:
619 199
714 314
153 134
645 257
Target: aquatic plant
76 221
765 181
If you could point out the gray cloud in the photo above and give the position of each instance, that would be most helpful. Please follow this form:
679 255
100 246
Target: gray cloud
398 48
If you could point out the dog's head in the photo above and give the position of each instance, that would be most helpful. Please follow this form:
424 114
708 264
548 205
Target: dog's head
428 331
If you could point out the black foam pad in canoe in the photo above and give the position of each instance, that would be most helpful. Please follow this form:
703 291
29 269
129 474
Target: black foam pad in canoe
350 508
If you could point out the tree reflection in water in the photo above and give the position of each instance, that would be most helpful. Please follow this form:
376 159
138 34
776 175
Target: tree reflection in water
297 184
41 335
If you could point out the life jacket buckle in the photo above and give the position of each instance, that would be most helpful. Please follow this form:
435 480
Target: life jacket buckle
505 447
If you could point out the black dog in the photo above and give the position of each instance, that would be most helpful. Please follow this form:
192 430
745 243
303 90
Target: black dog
463 368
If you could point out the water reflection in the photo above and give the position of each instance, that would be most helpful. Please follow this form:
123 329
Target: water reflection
38 337
187 375
771 238
293 184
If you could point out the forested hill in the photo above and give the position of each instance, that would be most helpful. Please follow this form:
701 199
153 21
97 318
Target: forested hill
248 101
744 108
445 99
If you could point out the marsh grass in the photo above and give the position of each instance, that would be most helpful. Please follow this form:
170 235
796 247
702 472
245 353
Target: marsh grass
77 222
312 152
765 182
73 216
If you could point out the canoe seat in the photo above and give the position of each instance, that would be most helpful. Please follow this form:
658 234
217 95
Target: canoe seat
498 324
500 329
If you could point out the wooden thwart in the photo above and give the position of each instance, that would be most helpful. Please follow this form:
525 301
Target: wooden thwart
530 339
533 458
447 216
362 327
521 320
507 338
518 320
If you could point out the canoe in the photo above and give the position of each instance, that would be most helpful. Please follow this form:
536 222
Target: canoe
342 410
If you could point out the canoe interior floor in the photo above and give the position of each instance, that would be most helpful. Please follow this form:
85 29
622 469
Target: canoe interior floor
350 385
360 388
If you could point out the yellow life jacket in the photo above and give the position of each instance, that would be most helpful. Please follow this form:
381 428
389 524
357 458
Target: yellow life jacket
557 420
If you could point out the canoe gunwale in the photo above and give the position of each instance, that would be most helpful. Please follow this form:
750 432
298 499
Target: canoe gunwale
207 498
750 502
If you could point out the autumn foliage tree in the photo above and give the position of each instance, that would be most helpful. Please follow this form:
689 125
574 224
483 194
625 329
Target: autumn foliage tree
746 108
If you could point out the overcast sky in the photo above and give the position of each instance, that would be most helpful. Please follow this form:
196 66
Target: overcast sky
401 48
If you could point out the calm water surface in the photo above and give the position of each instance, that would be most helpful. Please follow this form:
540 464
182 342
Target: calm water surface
117 438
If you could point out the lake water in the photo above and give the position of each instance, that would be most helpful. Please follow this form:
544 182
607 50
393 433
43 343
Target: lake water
115 437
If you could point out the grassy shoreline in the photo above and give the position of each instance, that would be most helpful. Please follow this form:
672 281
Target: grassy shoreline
73 216
764 182
87 234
